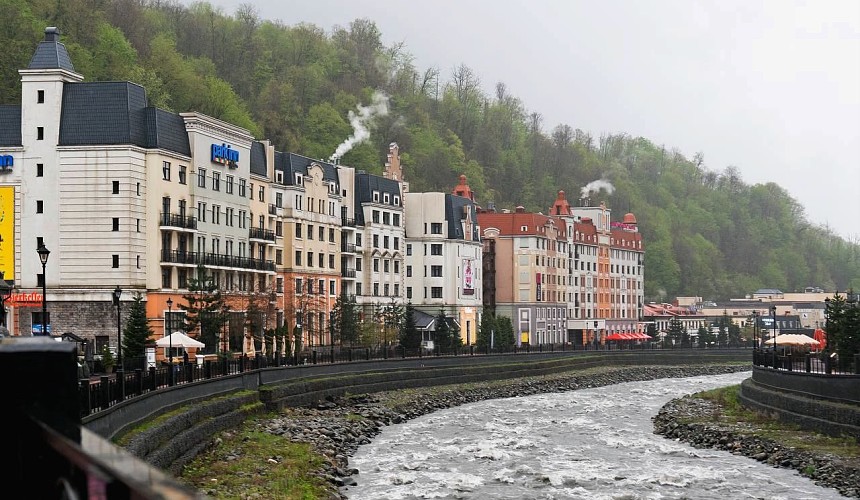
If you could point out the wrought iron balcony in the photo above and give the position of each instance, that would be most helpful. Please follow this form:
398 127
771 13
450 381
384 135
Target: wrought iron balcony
211 259
348 222
178 220
258 233
347 247
273 210
347 273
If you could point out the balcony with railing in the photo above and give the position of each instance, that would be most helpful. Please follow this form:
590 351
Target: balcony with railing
273 210
347 247
347 273
180 221
347 222
211 259
259 233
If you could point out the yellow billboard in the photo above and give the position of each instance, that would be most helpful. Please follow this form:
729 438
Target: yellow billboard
7 232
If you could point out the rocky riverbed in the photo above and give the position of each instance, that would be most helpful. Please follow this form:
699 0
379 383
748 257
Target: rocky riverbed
739 438
336 428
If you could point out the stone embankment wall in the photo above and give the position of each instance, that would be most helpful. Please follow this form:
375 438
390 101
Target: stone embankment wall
824 469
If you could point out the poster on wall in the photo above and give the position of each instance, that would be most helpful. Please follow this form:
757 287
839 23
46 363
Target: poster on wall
468 277
7 232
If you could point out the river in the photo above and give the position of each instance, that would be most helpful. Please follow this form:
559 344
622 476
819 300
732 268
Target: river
585 444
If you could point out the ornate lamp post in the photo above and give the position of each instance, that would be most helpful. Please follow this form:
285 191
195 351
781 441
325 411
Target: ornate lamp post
773 315
117 293
43 257
169 340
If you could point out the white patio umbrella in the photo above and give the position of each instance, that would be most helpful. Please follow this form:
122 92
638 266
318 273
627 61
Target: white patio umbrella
179 339
792 339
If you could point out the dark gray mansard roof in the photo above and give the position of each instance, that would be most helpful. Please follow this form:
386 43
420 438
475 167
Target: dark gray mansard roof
291 164
365 185
51 54
114 113
258 159
454 214
10 125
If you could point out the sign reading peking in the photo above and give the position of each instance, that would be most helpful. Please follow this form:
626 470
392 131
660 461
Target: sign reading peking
224 154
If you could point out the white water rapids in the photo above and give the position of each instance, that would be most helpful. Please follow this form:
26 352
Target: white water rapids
586 444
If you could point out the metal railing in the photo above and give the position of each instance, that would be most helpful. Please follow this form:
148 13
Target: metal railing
809 362
177 220
211 259
347 273
347 247
347 222
259 233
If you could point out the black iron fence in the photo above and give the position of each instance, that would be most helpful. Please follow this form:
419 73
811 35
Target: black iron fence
807 362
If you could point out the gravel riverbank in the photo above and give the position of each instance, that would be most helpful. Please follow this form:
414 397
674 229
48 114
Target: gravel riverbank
825 469
336 428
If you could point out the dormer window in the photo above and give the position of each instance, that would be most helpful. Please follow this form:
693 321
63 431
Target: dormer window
385 198
298 179
279 177
397 200
376 196
524 228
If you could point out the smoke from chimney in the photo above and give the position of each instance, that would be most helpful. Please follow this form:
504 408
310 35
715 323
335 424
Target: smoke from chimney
362 122
596 186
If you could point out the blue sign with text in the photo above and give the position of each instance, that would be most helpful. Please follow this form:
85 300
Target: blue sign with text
6 161
222 153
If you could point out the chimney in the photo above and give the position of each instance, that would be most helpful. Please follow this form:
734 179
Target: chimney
393 170
520 209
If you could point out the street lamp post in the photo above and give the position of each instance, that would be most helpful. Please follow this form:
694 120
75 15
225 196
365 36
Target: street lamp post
755 329
169 340
117 293
43 257
773 315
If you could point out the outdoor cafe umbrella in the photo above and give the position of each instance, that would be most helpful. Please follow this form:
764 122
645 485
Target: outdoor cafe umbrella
821 337
792 339
179 339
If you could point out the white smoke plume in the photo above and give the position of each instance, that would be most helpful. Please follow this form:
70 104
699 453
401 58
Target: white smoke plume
362 122
596 186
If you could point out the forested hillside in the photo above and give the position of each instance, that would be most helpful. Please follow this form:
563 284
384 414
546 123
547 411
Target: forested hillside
707 232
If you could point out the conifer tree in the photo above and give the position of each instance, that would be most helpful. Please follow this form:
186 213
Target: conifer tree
410 337
137 330
505 339
487 332
205 308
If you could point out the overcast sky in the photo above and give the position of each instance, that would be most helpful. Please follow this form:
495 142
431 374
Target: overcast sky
771 87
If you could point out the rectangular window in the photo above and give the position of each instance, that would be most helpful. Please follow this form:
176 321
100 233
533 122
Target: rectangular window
262 194
331 235
115 187
201 177
436 271
396 289
115 224
358 264
386 218
279 257
408 271
40 133
40 206
376 216
299 289
242 187
331 261
279 200
408 292
396 243
310 259
358 288
167 278
396 221
436 292
228 181
115 261
322 233
386 265
385 290
396 267
375 241
409 249
183 278
216 181
436 249
298 229
320 260
310 232
376 265
332 290
279 228
298 257
376 289
183 172
40 170
436 228
40 96
385 242
165 170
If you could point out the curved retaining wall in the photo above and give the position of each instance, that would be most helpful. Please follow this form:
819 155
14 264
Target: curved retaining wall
816 402
219 404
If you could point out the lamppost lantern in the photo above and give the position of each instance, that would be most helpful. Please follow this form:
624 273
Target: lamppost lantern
117 293
43 258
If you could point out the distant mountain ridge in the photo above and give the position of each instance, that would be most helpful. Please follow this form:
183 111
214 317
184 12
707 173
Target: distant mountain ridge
707 232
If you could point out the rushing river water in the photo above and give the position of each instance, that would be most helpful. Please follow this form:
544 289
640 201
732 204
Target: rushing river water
586 444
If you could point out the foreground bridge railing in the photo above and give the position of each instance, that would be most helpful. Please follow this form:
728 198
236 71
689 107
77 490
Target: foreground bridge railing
808 362
46 453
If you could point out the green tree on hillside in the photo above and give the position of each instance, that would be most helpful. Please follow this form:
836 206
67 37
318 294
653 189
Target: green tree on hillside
137 330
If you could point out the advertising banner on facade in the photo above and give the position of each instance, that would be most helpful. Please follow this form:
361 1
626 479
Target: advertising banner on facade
468 277
7 232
